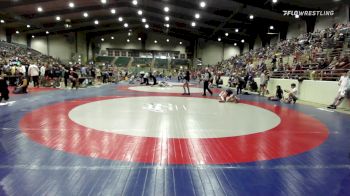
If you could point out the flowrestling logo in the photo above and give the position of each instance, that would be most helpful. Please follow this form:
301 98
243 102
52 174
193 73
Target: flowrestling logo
307 13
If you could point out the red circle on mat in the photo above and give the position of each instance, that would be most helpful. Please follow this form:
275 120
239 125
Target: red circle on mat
51 127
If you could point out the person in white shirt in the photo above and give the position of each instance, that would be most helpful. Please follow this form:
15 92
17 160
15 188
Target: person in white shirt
263 83
42 74
344 86
206 79
292 94
33 72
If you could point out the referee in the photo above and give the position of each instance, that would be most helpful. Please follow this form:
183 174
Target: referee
207 78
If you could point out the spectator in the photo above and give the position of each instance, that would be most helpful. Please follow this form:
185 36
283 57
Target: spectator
344 86
292 94
278 96
4 92
33 72
22 85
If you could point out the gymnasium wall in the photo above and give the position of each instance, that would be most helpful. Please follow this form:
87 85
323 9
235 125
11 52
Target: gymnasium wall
341 15
296 28
19 39
257 43
2 35
212 52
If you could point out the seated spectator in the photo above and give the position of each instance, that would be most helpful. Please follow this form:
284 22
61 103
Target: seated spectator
228 96
344 63
322 64
278 96
344 86
4 92
22 85
334 63
292 94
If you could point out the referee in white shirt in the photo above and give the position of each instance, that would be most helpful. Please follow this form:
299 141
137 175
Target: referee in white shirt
207 78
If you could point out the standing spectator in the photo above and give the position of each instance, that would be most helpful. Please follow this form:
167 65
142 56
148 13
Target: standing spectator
344 86
4 92
263 83
33 72
42 73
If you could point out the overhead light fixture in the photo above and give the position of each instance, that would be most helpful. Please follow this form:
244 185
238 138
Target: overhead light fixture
180 43
197 16
58 18
155 41
274 1
236 30
167 40
112 37
226 34
202 4
2 21
103 1
166 18
296 16
126 25
139 12
128 40
71 4
33 36
85 14
28 26
146 26
129 34
167 25
40 9
143 20
139 38
271 27
120 19
242 40
193 24
166 9
102 39
113 11
235 44
134 2
251 16
96 22
17 32
47 32
219 39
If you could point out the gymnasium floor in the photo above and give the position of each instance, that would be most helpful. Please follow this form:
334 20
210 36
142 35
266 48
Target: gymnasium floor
123 140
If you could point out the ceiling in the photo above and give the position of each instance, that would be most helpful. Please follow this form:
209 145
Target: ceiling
216 18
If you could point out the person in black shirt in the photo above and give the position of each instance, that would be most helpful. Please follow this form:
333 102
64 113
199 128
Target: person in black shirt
4 92
278 96
74 77
186 84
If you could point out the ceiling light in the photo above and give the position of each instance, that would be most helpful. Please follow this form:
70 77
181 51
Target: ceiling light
155 41
47 32
219 39
28 26
226 34
180 43
129 34
143 20
271 27
58 18
167 25
146 26
104 1
193 24
126 25
202 4
112 37
139 12
251 17
113 11
134 2
71 5
274 1
96 22
120 19
40 9
235 44
102 39
2 21
139 38
85 14
128 40
33 36
166 9
167 40
197 15
236 30
242 40
296 16
166 18
17 32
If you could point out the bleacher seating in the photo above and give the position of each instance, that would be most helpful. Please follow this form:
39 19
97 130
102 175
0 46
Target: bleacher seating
104 59
175 63
142 61
122 61
161 63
